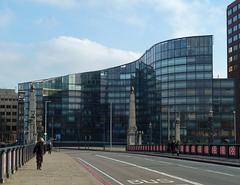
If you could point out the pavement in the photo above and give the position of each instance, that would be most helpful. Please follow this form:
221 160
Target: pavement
58 169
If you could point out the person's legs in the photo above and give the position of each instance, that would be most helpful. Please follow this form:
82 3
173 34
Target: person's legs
39 161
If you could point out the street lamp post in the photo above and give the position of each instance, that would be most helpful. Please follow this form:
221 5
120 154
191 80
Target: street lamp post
110 127
150 128
45 129
234 126
168 125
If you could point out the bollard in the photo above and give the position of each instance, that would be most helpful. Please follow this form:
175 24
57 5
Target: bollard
13 160
17 158
20 157
24 155
8 163
2 166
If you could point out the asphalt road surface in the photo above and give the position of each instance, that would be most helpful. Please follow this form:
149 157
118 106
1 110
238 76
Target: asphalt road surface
128 169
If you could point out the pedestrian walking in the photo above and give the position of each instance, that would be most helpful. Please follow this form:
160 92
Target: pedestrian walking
39 151
173 147
49 147
177 148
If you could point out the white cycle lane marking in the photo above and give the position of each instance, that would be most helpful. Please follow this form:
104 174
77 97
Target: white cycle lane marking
151 170
110 177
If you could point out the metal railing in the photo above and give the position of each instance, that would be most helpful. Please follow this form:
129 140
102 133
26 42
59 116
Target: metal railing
227 151
13 158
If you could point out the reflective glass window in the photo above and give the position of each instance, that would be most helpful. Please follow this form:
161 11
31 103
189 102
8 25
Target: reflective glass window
164 63
229 12
235 18
180 68
229 21
179 61
181 84
230 30
191 76
235 8
180 76
171 69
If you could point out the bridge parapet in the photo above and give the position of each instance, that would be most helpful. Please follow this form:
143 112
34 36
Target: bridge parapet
13 158
227 151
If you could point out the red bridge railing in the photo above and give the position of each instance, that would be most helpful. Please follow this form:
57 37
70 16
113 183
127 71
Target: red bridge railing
227 151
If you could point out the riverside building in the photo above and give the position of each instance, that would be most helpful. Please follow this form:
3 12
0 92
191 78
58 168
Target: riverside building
233 57
173 81
8 116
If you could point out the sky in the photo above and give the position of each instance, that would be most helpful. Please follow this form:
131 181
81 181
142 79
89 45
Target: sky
40 39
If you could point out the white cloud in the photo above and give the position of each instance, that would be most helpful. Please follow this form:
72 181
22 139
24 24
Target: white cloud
79 55
6 16
56 57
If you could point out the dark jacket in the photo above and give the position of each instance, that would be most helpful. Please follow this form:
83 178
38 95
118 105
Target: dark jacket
39 148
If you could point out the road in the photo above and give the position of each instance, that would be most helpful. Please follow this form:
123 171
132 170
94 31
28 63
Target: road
127 169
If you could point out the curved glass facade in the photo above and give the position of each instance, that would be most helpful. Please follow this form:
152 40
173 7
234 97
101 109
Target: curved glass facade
173 80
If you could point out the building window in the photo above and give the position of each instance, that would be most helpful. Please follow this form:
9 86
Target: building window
235 8
235 28
230 69
230 31
229 21
235 37
230 59
235 18
230 40
8 106
235 57
230 50
14 128
235 47
2 106
229 12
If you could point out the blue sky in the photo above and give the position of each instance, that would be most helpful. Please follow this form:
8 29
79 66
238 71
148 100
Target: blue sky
47 38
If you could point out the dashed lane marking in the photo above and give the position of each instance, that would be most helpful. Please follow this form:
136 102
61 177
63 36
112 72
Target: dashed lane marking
221 173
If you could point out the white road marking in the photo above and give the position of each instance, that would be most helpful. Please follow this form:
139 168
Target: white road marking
141 157
100 171
187 166
221 173
232 167
191 167
151 170
148 159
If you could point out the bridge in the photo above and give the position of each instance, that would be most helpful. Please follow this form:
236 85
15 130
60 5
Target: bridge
138 165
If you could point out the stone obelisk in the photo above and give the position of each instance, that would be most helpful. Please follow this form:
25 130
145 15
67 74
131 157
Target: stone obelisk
132 127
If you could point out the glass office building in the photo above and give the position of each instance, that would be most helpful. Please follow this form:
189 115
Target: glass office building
173 80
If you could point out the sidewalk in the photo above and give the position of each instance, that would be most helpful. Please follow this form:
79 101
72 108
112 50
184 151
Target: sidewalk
58 169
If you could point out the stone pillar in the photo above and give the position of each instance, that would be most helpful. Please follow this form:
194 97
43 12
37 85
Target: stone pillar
132 127
177 129
13 160
2 166
9 161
